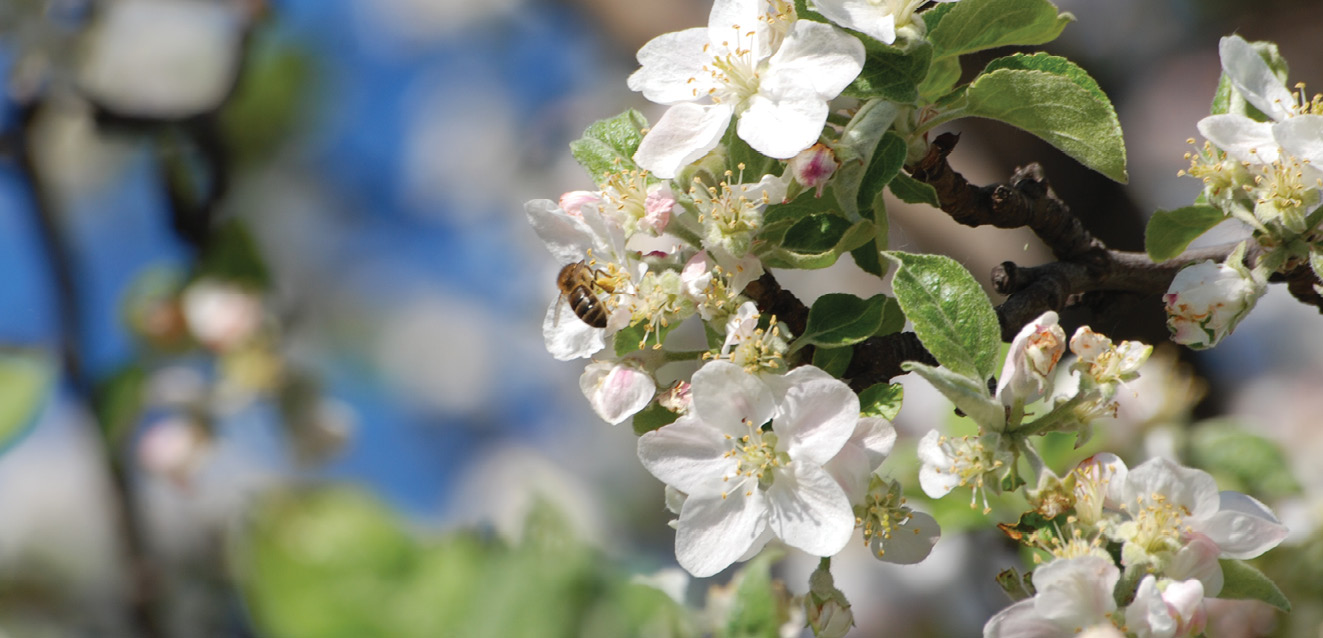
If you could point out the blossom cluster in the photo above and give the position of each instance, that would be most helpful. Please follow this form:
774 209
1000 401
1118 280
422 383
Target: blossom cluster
757 440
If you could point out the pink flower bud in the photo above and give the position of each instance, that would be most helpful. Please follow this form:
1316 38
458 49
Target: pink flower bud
677 398
814 166
174 449
1035 351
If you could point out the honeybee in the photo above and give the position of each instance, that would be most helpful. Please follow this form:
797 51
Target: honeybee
578 283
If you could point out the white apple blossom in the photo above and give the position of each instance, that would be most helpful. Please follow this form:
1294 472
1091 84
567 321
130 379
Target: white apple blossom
1282 156
221 315
617 390
1207 300
1074 594
949 463
745 484
1167 609
1177 523
880 19
582 235
750 347
894 532
732 214
1027 374
754 61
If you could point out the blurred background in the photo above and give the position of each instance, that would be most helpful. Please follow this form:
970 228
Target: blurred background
270 350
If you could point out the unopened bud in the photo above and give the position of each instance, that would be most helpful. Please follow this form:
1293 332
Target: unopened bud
827 609
814 166
1207 300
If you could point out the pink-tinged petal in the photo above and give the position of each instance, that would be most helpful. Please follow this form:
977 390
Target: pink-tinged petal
1147 616
1243 528
1245 139
817 414
1185 601
1076 592
1187 487
714 532
730 399
688 455
909 543
818 56
568 337
685 133
1021 620
672 67
567 237
780 124
1253 79
616 391
808 510
1302 136
935 476
1197 560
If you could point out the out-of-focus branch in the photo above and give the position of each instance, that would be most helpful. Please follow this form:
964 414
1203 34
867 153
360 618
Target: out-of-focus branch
62 261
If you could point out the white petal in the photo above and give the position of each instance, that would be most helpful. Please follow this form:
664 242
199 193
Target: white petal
1253 79
726 397
783 123
817 414
1021 620
1076 592
1302 136
868 18
730 24
688 455
853 466
713 532
1197 560
1244 528
672 67
567 336
616 391
934 477
1193 489
818 56
684 133
1243 138
808 510
909 543
567 237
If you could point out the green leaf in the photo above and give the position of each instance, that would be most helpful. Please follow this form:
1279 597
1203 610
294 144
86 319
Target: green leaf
840 319
833 360
912 191
808 203
855 151
952 315
637 337
26 380
118 401
969 395
608 146
893 319
755 612
651 418
887 159
233 255
1243 582
933 16
1249 462
815 233
1169 232
976 25
942 77
868 259
883 399
890 72
1064 108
